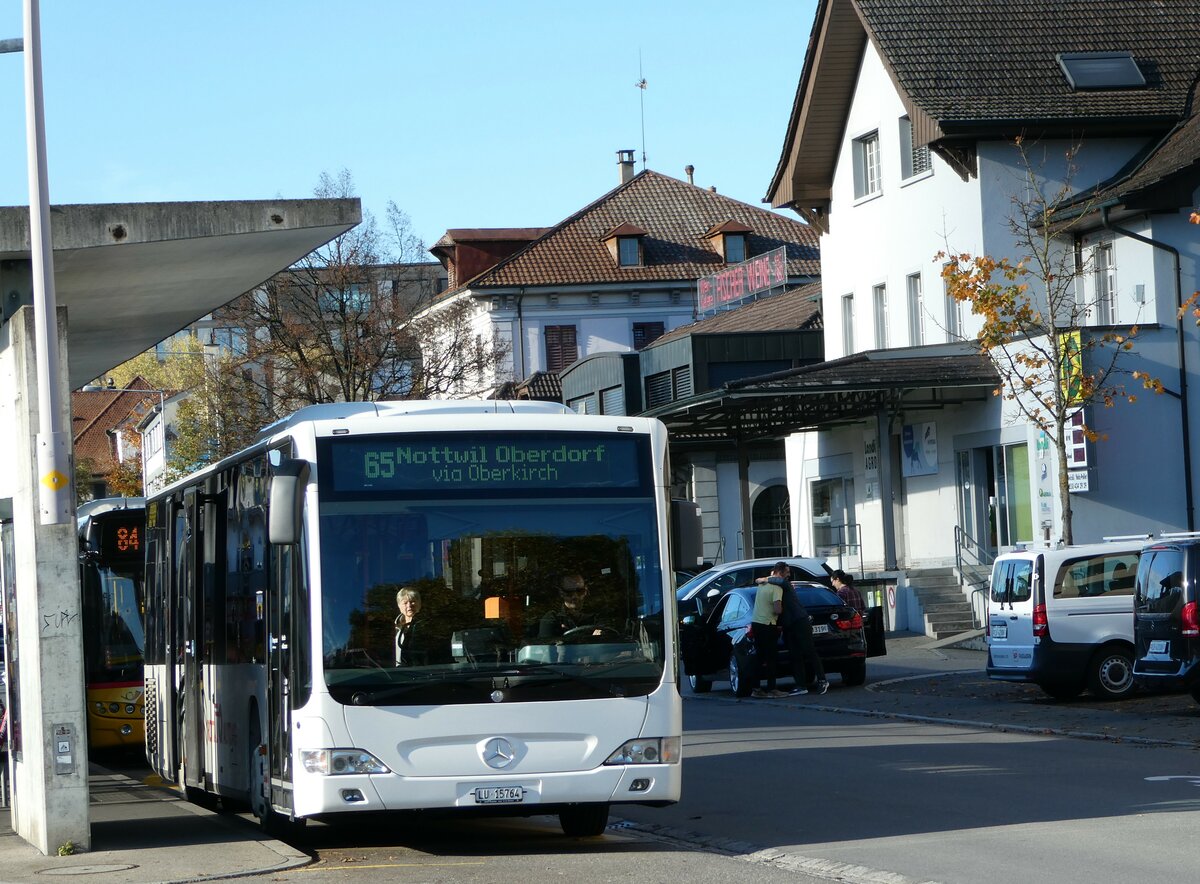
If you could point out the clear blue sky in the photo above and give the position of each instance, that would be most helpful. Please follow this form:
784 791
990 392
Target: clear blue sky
472 114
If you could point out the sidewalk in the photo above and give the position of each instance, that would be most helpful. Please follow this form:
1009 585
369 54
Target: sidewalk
143 834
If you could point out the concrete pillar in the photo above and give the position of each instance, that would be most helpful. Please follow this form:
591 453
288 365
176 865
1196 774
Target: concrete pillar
50 762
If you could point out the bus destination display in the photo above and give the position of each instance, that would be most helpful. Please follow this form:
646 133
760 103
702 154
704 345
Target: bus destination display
511 462
121 538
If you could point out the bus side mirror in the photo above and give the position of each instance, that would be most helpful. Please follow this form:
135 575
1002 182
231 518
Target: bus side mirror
687 540
287 496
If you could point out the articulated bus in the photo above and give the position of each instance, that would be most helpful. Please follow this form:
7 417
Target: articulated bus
277 672
112 567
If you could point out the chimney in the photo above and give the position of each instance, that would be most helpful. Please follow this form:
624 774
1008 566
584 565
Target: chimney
689 169
625 161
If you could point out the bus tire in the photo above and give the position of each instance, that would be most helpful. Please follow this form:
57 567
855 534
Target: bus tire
583 820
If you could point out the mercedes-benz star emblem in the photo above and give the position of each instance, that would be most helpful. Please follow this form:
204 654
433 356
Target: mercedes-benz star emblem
498 753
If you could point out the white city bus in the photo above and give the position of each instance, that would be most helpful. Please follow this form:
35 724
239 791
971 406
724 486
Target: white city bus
273 672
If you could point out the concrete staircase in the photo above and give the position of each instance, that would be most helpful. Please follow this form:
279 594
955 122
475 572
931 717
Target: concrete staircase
947 610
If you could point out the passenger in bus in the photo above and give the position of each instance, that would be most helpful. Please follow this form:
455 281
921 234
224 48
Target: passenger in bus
412 631
572 591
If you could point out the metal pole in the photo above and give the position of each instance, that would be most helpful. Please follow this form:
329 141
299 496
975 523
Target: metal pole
53 445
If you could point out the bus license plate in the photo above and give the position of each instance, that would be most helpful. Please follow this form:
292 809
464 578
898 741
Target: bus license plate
1159 646
820 629
999 630
499 795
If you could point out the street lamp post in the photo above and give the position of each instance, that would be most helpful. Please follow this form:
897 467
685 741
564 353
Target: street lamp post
53 444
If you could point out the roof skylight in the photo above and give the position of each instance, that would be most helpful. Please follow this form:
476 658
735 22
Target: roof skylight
1101 70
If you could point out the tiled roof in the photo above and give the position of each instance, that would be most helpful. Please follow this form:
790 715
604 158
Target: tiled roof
95 412
492 234
544 386
985 60
675 215
798 308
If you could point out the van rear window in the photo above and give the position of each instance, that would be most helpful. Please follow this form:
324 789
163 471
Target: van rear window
1160 581
1107 574
1012 581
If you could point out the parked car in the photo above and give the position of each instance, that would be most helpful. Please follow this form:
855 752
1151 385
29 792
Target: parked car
707 640
1166 623
697 595
1063 618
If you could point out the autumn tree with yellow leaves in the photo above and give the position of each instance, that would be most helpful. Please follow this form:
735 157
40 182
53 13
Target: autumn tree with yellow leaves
1038 323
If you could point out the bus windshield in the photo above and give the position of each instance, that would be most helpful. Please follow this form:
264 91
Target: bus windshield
113 640
489 600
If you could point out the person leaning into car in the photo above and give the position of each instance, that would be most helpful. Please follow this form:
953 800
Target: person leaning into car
768 602
807 670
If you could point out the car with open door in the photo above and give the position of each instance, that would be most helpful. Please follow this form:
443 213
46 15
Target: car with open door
712 643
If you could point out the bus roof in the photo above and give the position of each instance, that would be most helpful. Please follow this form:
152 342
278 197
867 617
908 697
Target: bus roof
349 410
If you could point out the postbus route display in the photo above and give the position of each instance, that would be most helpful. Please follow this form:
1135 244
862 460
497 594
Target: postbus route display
501 462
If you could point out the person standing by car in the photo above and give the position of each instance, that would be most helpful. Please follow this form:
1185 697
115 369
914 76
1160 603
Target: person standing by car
768 602
843 584
807 670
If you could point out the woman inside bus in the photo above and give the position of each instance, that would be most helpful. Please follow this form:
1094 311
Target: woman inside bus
412 631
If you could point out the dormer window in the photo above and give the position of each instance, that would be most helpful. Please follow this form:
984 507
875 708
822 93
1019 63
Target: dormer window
625 245
731 240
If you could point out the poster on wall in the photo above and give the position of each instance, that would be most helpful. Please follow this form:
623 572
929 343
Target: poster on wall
871 464
919 450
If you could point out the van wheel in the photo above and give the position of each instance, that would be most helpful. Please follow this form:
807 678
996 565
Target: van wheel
1111 673
1061 690
739 668
699 684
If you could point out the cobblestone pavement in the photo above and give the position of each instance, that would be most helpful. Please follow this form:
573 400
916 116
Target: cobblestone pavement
950 685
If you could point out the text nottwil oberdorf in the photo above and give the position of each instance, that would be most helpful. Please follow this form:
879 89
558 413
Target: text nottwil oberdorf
483 463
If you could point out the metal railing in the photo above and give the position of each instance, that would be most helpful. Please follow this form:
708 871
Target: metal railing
972 556
837 540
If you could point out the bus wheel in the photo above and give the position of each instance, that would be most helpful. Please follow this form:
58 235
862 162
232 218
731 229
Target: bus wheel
583 820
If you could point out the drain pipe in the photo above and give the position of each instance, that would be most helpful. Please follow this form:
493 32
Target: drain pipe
521 329
1183 397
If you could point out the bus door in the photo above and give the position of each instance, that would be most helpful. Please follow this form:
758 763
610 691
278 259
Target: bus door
191 619
280 675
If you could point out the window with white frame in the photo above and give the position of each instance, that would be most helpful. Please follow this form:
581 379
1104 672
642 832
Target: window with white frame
1105 274
866 166
879 300
914 161
954 323
916 310
848 324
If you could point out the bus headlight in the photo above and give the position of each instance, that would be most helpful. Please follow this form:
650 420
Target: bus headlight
657 750
334 762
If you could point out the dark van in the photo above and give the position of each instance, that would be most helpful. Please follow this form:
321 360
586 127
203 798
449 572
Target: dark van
1166 624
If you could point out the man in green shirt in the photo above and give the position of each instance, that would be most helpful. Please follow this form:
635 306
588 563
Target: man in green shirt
768 603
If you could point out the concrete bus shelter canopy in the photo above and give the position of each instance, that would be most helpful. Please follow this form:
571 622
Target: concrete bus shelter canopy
133 274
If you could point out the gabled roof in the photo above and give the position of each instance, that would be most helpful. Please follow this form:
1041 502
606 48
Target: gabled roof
799 308
981 68
675 215
544 386
94 413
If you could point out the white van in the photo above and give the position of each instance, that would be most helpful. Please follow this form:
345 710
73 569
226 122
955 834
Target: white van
1063 618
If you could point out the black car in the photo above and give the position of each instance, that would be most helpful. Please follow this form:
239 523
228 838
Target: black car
1166 619
707 641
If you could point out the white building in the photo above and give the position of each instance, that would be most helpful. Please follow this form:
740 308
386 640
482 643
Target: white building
900 146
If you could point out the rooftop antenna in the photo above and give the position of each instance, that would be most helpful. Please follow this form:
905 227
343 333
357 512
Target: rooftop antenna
641 84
